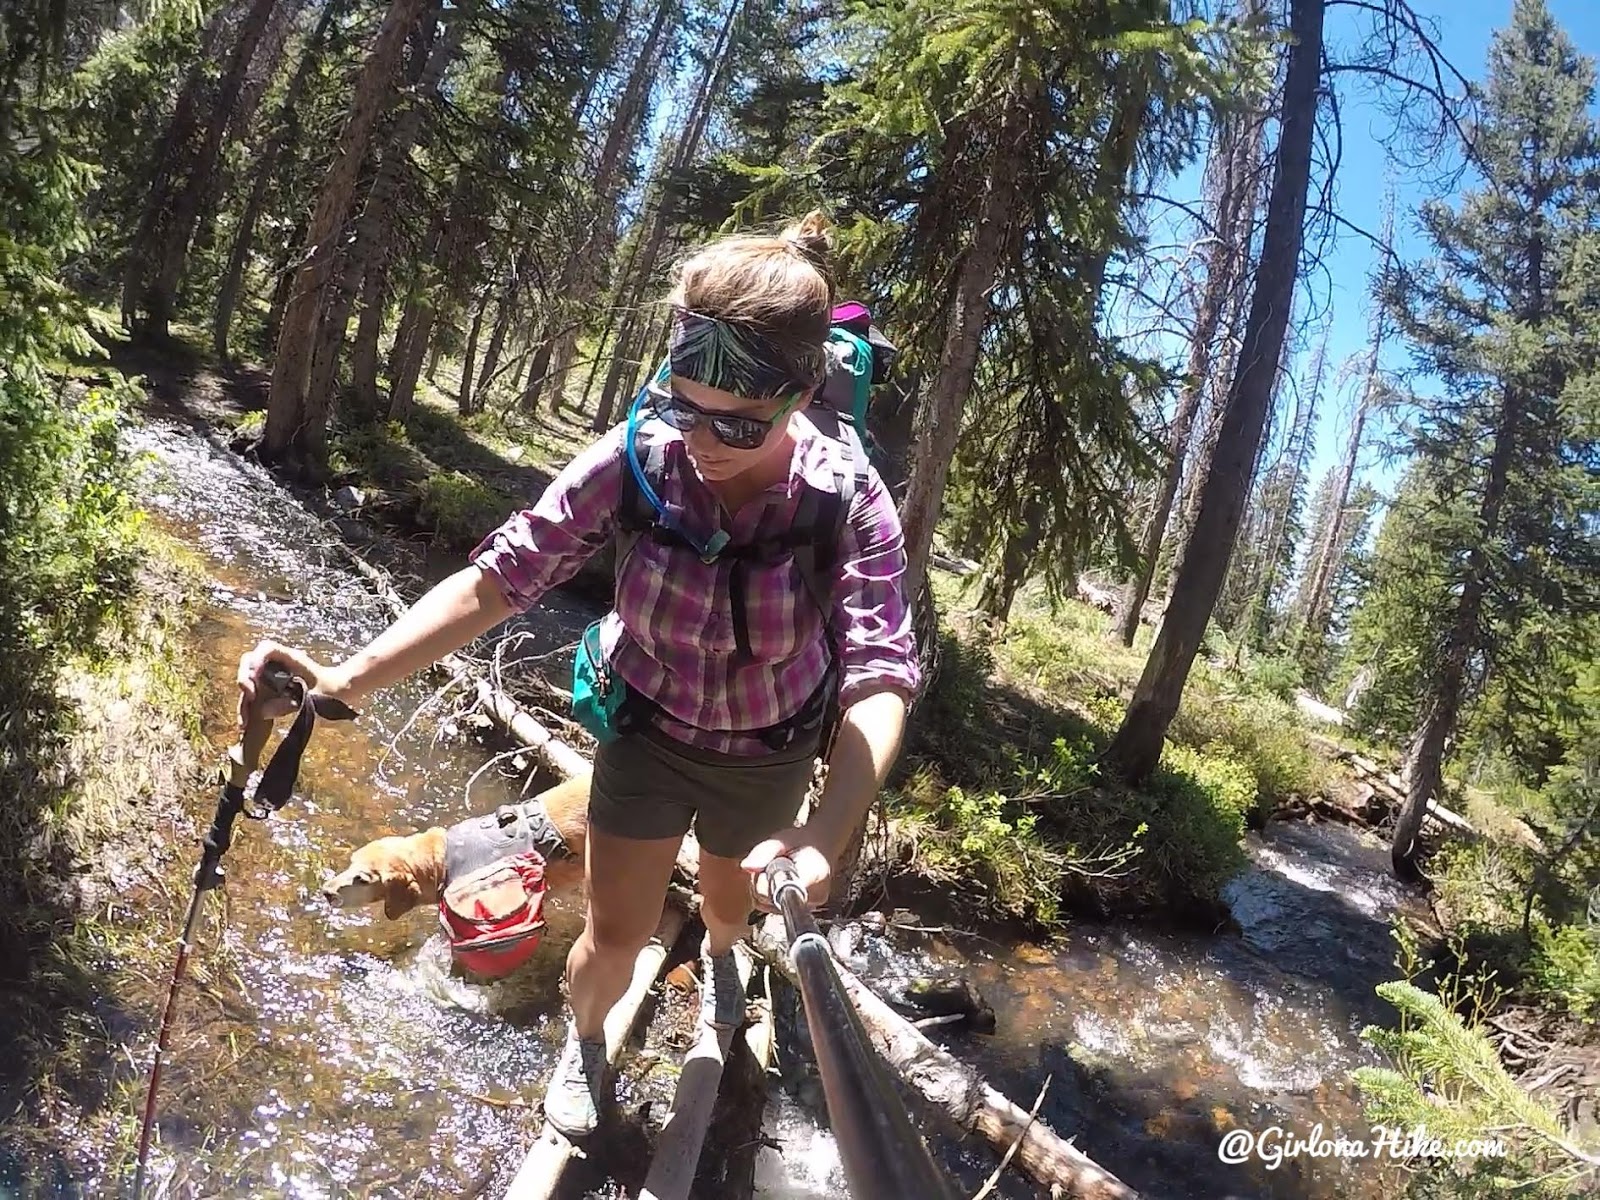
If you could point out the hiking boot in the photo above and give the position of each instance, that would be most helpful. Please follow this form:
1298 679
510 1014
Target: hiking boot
578 1087
721 996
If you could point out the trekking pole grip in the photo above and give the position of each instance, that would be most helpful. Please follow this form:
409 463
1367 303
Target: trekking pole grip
789 896
782 878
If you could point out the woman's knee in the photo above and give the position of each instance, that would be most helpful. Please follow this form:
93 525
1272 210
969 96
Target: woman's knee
613 934
724 890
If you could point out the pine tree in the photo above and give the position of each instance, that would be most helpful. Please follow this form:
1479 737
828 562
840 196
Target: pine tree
296 416
1231 187
1494 318
1137 745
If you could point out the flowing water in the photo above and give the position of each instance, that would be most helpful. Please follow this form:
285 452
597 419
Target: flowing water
327 1054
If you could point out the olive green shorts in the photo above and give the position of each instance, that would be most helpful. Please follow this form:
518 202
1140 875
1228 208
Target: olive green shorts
647 785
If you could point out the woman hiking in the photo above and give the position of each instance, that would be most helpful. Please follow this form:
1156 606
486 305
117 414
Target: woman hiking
720 667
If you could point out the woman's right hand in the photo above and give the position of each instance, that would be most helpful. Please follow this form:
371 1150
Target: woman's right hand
329 681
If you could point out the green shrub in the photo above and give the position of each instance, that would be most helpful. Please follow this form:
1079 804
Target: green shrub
1196 821
1059 826
1565 968
1264 732
983 844
379 453
251 424
461 509
1275 676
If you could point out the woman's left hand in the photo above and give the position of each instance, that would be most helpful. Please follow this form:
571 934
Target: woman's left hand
810 863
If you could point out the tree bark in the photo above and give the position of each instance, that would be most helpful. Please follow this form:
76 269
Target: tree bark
580 273
939 418
169 156
285 132
296 422
159 299
364 353
1441 706
410 347
1118 154
1327 553
1136 748
375 229
688 147
329 346
469 361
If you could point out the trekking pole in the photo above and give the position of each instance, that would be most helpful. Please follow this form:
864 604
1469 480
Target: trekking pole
272 792
884 1156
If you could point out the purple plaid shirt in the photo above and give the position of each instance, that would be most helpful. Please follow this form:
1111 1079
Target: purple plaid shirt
671 634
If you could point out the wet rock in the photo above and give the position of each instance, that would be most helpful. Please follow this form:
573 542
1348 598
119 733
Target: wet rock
845 938
353 531
349 498
951 997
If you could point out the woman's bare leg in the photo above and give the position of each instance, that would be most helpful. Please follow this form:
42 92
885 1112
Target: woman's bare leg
627 886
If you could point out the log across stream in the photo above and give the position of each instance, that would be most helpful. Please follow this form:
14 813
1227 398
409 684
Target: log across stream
328 1054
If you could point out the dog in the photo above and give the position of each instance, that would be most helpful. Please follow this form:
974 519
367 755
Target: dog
404 871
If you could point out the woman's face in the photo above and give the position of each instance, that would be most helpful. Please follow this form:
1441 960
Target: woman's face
715 459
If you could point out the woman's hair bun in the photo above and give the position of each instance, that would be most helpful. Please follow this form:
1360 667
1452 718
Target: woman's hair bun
811 238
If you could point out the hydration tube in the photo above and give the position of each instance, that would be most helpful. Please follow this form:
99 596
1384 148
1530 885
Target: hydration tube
708 549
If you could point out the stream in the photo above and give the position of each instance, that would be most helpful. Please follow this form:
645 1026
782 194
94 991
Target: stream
325 1054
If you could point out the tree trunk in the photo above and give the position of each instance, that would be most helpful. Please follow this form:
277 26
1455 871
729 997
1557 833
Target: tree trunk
1237 198
1327 553
285 132
375 230
688 147
581 273
183 209
329 346
282 277
1020 555
169 158
1136 748
502 323
410 348
364 354
1296 461
296 422
464 395
1442 704
939 418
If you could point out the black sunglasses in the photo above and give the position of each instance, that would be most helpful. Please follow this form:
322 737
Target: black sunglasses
735 432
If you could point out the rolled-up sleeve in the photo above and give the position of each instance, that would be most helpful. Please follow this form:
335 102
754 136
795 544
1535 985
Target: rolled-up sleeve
871 609
543 546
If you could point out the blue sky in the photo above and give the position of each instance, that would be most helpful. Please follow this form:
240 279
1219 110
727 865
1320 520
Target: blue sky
1464 28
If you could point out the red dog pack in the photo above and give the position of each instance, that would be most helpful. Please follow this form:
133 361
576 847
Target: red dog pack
495 915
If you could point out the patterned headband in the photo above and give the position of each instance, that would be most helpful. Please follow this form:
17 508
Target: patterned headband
733 358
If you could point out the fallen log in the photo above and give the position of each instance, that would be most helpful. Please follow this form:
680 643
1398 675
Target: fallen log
554 754
958 1091
546 1161
677 1155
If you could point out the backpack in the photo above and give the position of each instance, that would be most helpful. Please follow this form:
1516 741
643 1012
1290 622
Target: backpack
494 916
855 362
